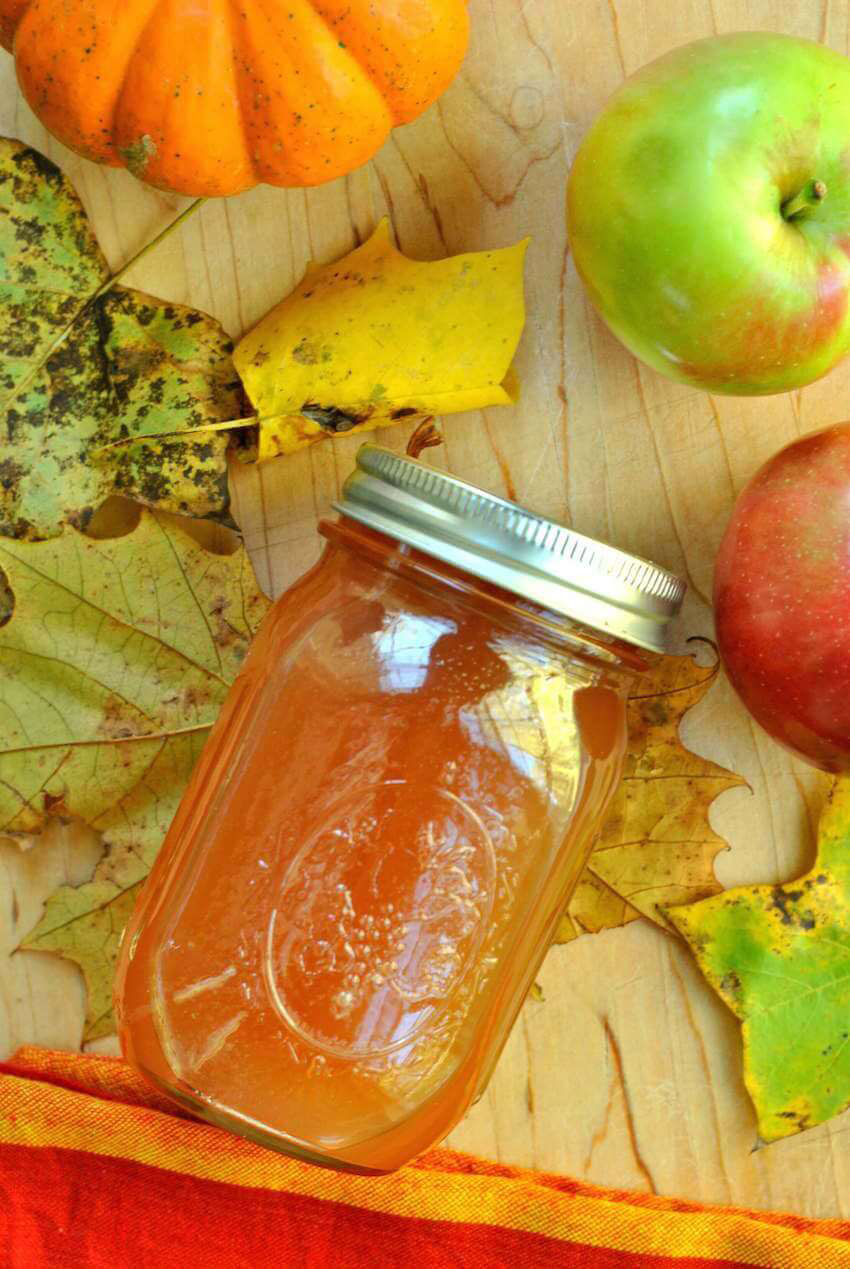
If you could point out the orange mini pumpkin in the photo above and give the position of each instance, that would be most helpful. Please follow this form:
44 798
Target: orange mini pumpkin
213 96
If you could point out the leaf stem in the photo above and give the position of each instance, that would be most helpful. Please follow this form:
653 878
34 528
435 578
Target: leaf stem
107 286
104 288
145 438
432 434
426 435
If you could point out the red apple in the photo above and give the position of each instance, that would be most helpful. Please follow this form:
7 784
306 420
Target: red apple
782 597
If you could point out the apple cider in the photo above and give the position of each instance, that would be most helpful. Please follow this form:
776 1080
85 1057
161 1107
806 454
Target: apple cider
387 821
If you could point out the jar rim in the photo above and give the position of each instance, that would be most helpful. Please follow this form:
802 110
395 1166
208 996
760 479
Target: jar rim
598 585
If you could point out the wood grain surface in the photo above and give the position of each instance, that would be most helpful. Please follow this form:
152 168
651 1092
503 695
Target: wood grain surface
629 1072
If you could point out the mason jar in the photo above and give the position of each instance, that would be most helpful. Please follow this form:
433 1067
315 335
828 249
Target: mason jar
388 820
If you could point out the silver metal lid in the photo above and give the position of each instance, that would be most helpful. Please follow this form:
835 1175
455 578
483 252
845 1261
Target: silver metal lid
500 542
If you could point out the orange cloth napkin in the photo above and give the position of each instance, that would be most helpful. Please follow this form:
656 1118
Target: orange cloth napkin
98 1170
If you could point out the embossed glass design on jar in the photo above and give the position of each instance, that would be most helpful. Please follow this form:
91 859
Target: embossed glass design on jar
388 820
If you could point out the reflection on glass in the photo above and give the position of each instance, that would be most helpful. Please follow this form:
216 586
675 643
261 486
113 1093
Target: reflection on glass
403 648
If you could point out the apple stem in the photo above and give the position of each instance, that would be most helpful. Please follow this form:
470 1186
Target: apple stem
812 193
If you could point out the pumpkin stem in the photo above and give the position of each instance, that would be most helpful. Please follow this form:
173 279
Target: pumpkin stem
103 289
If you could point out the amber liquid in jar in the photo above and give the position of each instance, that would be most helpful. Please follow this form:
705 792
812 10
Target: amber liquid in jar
372 856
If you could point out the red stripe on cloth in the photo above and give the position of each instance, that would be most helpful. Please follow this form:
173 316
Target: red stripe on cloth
63 1209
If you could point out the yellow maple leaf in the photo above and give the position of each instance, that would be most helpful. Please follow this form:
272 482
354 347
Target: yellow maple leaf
115 662
375 338
656 847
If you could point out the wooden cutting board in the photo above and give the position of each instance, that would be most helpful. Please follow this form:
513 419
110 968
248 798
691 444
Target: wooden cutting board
629 1072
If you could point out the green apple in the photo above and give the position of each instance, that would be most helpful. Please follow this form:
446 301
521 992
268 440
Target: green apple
709 213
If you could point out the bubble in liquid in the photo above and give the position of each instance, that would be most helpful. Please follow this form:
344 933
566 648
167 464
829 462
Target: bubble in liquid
343 1003
316 958
395 964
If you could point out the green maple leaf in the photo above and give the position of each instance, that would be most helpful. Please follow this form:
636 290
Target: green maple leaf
113 667
779 956
130 365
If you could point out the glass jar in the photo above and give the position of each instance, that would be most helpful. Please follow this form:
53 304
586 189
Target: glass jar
387 820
